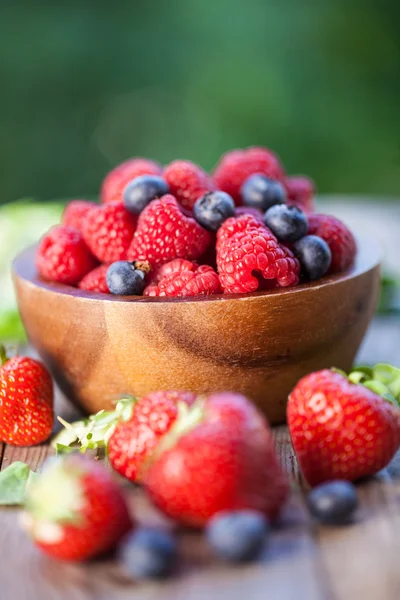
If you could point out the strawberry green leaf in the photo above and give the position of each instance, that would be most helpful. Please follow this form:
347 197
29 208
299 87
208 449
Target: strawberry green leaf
13 483
383 379
95 431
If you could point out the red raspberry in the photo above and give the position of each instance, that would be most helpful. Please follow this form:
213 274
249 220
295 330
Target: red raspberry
338 237
63 256
246 248
249 210
301 192
164 232
108 231
183 278
187 182
95 281
115 182
74 213
236 166
237 224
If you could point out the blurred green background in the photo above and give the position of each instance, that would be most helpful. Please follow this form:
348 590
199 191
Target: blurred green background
86 84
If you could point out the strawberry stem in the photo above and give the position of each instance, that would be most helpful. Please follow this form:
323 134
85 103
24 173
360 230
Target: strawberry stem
3 355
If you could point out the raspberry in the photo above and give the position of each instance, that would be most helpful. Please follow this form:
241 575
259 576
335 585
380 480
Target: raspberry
338 237
95 281
236 166
74 213
108 231
183 278
63 256
249 210
164 233
115 182
245 249
236 225
187 182
301 191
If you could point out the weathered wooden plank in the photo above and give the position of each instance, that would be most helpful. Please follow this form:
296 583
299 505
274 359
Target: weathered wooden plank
361 560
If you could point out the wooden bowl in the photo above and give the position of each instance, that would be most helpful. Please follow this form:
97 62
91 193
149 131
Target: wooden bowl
99 346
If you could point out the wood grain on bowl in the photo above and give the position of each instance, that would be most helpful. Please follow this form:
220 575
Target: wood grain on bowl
99 347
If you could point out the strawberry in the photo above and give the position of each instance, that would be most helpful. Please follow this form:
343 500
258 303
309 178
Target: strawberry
340 430
134 441
74 509
218 455
26 401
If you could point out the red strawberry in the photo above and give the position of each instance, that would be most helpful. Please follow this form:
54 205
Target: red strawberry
301 192
115 182
108 231
74 213
236 166
95 281
219 456
183 278
26 401
134 441
164 233
187 182
63 256
340 430
339 238
74 510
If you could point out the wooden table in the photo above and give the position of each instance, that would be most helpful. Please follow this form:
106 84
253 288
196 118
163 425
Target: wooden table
302 562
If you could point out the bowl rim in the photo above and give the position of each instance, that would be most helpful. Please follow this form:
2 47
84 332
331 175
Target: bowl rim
368 257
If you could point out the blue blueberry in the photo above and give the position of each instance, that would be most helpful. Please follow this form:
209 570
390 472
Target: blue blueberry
142 190
237 536
124 279
149 553
288 223
314 255
262 193
333 503
212 209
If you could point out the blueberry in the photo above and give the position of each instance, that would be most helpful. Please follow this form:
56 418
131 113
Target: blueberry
149 553
288 223
314 255
333 503
237 536
212 209
142 190
262 193
124 279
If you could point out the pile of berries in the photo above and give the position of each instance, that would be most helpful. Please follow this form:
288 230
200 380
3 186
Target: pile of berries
178 231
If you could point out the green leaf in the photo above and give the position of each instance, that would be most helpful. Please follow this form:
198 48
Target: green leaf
379 388
95 431
357 377
394 388
13 483
385 373
365 369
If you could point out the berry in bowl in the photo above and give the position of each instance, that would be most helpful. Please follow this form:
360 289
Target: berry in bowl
179 279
